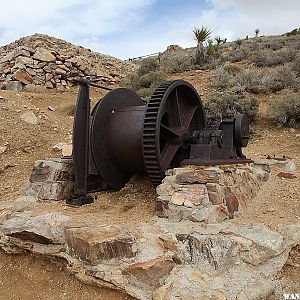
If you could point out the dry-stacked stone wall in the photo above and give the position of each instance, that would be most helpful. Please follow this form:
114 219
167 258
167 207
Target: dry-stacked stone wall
209 194
43 61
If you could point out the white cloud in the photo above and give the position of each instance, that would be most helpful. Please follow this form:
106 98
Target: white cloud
68 19
114 26
270 16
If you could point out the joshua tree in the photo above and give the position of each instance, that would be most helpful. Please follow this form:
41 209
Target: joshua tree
256 32
218 40
201 35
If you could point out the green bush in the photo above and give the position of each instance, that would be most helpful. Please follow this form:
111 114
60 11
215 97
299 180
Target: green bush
285 111
221 105
286 77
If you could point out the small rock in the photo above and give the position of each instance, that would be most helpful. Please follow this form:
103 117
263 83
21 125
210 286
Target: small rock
199 176
2 149
177 198
1 98
67 150
286 175
29 117
51 108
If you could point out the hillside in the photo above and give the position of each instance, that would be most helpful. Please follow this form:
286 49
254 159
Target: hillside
44 61
21 142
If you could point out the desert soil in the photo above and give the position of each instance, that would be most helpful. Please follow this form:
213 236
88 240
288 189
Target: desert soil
25 277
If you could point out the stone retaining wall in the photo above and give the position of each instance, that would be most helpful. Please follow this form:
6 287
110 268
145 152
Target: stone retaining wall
210 194
51 179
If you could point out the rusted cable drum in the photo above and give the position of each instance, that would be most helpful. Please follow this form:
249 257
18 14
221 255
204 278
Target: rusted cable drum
114 139
129 136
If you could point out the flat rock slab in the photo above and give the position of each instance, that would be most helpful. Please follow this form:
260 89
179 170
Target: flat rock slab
98 244
150 273
47 228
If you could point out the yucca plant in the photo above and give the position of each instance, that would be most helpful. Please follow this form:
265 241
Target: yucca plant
218 39
201 35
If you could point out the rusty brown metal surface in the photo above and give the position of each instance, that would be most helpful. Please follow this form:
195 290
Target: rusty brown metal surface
125 135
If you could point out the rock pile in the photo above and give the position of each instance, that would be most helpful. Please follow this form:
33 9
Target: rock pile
41 60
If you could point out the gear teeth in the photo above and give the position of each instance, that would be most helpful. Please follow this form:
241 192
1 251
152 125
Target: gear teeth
150 151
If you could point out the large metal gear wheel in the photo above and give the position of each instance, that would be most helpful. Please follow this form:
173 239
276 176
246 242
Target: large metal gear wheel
173 113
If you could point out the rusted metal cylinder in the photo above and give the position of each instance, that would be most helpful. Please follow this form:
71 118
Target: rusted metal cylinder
124 138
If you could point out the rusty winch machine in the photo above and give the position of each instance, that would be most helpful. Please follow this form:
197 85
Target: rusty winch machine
125 135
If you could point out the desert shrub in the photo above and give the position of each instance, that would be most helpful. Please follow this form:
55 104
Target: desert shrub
232 69
146 79
214 62
275 44
221 78
285 111
226 104
250 79
286 77
293 32
178 64
148 65
296 65
267 58
213 51
237 55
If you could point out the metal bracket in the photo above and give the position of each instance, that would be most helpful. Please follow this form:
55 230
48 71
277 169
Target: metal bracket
81 146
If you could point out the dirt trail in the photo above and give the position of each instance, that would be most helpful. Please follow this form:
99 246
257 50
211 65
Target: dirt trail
27 278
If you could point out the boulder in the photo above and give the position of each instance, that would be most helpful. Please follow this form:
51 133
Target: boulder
43 54
14 86
150 273
46 228
22 76
100 244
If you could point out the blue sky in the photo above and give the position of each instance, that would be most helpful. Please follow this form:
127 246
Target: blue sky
132 28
